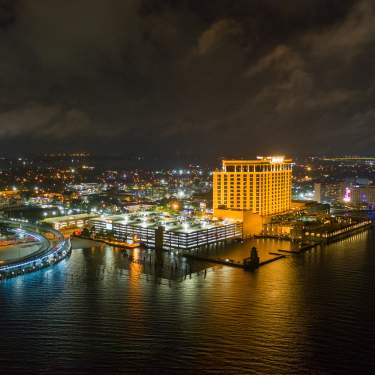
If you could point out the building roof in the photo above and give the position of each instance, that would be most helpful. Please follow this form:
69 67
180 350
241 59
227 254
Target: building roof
259 160
59 219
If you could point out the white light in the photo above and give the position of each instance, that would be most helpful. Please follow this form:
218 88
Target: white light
277 159
144 221
180 194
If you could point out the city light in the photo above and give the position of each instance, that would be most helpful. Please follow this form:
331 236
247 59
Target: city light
187 187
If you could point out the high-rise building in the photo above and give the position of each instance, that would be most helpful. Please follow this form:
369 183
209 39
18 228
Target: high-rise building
262 186
362 195
329 192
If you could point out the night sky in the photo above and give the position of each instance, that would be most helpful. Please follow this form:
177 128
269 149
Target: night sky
184 77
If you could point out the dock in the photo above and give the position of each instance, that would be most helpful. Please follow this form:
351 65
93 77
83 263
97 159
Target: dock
271 260
231 263
288 251
214 260
122 245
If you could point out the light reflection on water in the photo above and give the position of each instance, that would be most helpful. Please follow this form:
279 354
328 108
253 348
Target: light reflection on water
101 309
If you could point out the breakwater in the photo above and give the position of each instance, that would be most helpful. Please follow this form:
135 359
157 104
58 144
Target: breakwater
49 253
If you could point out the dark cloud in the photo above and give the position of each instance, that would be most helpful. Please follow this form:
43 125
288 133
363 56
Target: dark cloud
187 76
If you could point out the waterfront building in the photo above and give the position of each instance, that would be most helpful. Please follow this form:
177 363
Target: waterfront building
174 231
262 186
252 190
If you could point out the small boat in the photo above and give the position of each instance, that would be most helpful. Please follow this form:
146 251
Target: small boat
131 245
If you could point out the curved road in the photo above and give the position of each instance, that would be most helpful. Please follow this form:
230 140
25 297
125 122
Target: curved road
47 254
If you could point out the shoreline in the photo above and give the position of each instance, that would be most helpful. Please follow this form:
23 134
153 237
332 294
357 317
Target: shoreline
278 254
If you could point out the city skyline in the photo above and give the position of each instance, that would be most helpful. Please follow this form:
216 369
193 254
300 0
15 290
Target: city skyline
187 187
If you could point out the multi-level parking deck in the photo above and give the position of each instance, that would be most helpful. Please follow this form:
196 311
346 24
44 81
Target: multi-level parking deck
177 232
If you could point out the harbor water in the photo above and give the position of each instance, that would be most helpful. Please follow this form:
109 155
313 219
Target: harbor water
104 309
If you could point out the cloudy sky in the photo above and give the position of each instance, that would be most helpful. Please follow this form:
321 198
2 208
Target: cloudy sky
167 77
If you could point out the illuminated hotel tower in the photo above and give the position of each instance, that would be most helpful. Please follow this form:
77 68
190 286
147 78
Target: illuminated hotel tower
262 186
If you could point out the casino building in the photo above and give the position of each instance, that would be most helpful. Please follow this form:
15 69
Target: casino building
253 190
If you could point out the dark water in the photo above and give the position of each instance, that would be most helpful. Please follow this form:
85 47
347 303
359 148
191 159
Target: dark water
101 312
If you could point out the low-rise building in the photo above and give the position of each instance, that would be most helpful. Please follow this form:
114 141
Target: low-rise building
69 222
173 231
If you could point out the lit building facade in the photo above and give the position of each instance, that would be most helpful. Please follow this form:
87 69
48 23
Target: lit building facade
69 222
262 186
189 234
362 195
329 192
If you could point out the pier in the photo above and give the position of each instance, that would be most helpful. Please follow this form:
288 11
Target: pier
250 264
225 262
231 263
